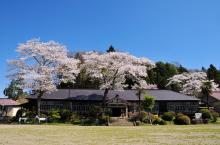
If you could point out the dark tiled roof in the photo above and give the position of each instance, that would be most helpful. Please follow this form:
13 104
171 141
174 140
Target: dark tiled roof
8 102
130 95
170 95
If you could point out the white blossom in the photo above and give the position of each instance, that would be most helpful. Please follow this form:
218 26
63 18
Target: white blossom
43 65
191 83
111 69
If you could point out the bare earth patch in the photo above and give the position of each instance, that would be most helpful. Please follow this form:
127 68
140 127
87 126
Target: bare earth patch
81 135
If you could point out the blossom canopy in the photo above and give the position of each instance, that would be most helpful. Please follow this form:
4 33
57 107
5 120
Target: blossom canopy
191 83
112 68
42 65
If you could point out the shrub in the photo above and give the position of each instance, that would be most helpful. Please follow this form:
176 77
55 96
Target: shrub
33 121
76 121
163 122
209 115
102 120
155 117
65 115
43 115
75 118
216 105
168 116
94 111
138 123
156 121
182 120
206 114
149 118
143 115
30 114
88 121
179 114
54 115
134 116
215 115
159 121
146 120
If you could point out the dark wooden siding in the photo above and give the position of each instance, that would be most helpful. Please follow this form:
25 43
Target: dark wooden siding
186 107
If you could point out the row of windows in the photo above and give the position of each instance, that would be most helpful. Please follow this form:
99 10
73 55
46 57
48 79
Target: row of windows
54 102
182 103
80 108
51 107
74 108
184 107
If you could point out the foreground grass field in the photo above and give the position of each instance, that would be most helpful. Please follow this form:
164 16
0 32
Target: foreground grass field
81 135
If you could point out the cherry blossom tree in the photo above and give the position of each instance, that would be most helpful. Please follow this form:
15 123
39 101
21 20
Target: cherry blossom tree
41 66
112 68
191 83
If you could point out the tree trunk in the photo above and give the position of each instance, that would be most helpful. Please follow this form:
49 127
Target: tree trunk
104 99
149 115
207 101
139 102
39 102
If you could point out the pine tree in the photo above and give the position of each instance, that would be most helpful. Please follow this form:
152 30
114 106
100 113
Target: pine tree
111 49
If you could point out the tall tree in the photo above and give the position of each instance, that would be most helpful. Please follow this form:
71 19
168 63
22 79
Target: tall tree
206 90
182 69
111 49
191 83
41 66
217 79
112 68
82 81
211 72
160 74
148 105
14 90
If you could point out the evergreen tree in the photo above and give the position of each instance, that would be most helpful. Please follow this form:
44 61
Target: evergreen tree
111 49
217 78
212 72
161 73
14 90
148 104
182 69
206 91
82 81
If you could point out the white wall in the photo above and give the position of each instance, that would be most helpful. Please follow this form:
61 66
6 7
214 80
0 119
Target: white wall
11 111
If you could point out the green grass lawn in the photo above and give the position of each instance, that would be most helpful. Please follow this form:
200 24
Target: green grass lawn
82 135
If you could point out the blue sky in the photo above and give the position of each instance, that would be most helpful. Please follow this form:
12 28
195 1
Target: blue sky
183 31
